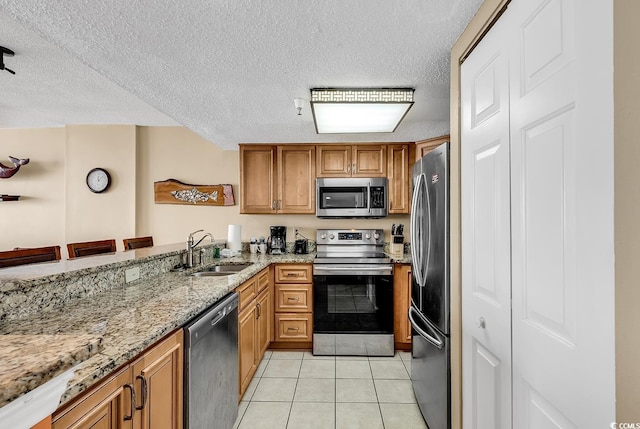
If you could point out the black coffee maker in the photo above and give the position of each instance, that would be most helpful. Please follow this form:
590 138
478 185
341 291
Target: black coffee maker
278 240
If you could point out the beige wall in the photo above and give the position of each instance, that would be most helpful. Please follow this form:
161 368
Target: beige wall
177 153
58 208
111 214
38 218
627 208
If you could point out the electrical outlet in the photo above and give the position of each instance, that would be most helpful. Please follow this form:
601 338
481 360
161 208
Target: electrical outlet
132 274
296 230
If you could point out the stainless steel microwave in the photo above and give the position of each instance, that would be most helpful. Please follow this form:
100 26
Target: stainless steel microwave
351 197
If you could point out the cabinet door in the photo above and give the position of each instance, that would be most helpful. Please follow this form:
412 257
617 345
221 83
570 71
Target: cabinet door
296 179
293 298
369 161
293 273
264 304
109 406
398 174
257 179
423 147
333 160
247 350
246 293
293 326
401 303
158 383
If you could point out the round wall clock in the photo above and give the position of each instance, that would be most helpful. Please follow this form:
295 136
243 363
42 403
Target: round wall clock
98 180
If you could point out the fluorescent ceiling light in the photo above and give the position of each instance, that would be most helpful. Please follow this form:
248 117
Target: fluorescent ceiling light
357 110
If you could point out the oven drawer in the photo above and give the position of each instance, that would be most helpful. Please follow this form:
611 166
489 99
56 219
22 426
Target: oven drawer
293 273
294 298
293 326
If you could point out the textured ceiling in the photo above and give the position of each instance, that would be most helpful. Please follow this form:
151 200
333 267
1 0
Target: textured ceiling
227 69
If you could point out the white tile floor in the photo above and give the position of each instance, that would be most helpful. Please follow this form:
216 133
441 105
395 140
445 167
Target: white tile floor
296 390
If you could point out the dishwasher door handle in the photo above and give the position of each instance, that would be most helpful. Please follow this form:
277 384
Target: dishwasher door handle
218 317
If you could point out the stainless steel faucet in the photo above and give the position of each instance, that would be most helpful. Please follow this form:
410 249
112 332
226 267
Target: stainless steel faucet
191 245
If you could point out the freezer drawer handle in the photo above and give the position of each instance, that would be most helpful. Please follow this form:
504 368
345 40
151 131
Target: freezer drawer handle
436 342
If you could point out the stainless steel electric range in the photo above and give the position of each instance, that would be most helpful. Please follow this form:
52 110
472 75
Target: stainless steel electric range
352 294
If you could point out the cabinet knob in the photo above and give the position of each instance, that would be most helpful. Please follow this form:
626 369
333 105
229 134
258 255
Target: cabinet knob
480 323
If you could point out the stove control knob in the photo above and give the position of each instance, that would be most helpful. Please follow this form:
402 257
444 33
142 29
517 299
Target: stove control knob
376 235
332 236
323 236
367 236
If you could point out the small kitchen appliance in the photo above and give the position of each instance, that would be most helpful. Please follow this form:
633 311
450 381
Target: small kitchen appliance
300 246
278 240
351 197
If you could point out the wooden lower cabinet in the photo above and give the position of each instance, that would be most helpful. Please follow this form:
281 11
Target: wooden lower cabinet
247 347
401 304
264 303
43 424
255 325
294 326
124 401
158 377
293 321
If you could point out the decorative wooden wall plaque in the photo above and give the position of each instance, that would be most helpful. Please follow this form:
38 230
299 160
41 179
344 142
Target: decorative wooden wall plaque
173 191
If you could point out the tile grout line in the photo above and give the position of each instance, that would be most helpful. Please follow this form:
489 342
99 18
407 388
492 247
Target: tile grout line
373 380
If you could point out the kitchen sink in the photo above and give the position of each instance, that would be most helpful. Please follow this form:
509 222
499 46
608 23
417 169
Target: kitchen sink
221 270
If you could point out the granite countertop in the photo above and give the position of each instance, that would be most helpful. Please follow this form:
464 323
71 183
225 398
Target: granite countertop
112 327
30 360
101 332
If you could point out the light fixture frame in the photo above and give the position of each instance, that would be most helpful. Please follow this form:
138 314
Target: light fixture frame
361 96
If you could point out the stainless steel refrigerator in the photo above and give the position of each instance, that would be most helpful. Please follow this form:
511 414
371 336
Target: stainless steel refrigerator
429 312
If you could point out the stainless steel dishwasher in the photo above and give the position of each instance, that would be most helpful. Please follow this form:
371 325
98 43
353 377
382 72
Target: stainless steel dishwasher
211 367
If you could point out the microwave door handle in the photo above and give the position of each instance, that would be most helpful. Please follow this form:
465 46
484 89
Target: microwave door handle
369 196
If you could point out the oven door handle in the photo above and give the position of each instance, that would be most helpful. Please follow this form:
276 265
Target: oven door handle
353 268
433 340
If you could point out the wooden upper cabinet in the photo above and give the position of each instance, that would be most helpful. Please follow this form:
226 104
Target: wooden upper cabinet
423 147
296 179
277 179
352 160
398 174
369 161
333 160
257 179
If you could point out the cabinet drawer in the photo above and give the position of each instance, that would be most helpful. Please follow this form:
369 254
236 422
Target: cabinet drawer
293 273
246 293
263 280
293 326
293 298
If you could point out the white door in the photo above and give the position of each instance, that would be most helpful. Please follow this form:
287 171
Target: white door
486 235
562 214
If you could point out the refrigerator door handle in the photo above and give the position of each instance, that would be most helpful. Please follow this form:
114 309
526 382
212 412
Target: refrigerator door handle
433 340
426 262
417 264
